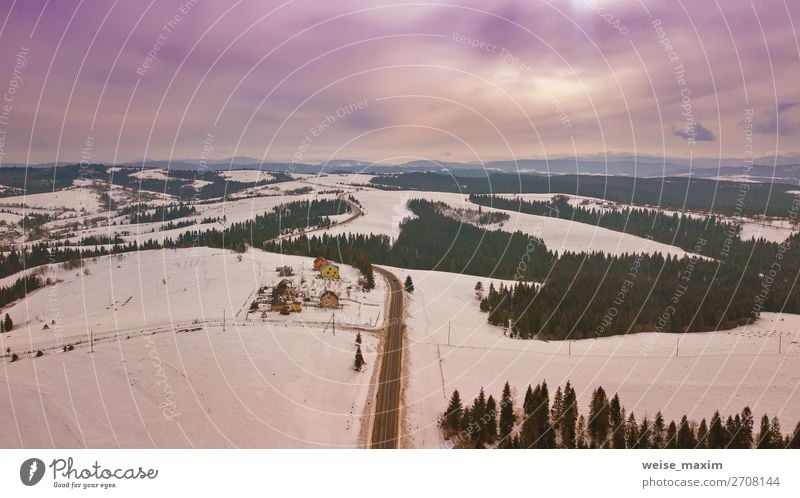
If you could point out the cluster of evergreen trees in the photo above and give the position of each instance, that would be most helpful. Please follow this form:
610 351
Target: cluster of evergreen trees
19 289
677 230
484 423
678 193
255 232
143 214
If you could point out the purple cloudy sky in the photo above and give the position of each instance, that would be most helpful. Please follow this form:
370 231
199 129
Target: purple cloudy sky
392 81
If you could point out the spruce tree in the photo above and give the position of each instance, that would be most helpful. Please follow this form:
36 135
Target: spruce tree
478 413
507 417
776 436
746 430
631 432
455 411
702 435
358 363
732 432
764 439
794 439
580 433
598 423
672 436
490 427
548 434
617 421
686 437
717 437
409 285
358 338
8 324
569 417
645 440
659 431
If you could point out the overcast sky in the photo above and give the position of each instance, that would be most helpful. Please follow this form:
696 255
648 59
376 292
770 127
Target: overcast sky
391 81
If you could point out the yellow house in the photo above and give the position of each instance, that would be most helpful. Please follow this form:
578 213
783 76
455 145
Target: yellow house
329 270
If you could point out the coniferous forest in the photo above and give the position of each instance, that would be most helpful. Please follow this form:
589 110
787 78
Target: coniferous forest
676 230
545 423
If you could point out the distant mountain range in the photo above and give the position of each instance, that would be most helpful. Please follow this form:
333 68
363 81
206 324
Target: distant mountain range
786 169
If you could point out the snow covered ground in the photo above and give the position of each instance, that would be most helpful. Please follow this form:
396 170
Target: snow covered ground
718 370
72 199
247 175
165 374
385 210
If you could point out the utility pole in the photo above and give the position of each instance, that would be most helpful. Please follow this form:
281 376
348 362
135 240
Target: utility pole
91 341
333 318
780 341
677 345
570 347
223 319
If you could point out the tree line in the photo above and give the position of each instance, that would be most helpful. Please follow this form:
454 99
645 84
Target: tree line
678 193
488 423
676 229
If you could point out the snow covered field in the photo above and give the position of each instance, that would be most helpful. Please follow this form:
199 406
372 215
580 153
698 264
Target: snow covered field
718 370
165 374
72 199
247 175
385 210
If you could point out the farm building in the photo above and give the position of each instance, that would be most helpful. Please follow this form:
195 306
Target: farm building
329 270
319 262
329 299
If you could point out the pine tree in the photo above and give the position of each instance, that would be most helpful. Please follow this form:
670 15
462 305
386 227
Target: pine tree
8 324
358 363
507 417
617 421
409 285
490 427
455 411
358 338
569 417
658 431
598 419
702 435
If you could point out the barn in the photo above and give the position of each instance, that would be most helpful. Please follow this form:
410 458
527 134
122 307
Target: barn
319 262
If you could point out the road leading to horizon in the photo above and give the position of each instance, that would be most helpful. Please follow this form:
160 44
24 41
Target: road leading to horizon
386 426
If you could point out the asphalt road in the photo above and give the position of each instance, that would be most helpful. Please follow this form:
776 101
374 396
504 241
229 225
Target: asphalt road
386 426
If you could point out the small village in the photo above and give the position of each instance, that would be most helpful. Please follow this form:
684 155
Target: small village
324 287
